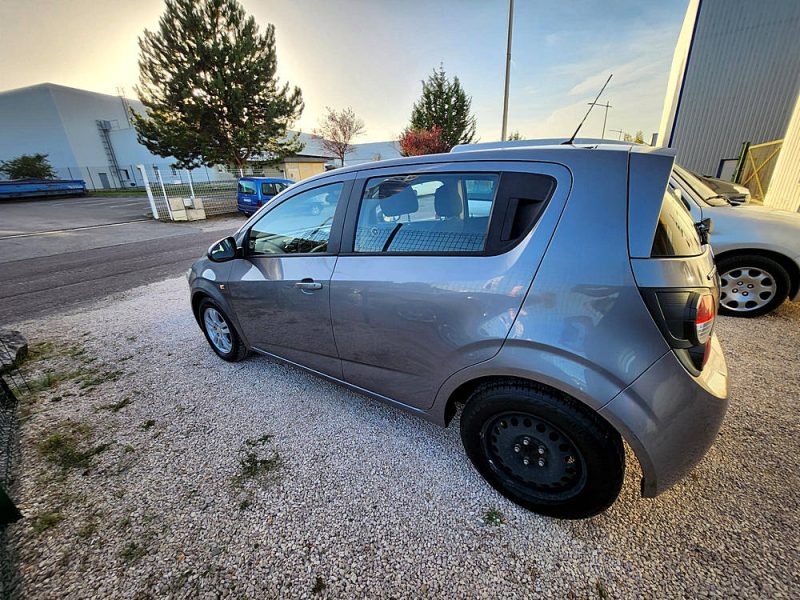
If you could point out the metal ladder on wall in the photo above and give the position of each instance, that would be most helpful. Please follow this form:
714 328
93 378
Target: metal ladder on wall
105 136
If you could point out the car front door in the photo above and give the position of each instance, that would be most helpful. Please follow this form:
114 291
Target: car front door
435 263
280 288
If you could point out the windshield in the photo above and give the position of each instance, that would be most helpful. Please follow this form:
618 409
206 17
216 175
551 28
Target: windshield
700 189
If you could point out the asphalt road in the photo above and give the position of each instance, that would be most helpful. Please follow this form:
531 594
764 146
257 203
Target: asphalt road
58 255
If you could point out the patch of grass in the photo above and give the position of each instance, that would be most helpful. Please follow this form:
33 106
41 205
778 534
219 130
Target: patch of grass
251 465
39 350
245 504
117 406
131 338
50 380
128 449
319 586
75 351
97 379
148 424
494 518
46 521
87 530
125 522
63 448
132 552
601 590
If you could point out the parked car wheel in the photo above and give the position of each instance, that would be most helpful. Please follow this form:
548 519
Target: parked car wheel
220 333
544 451
751 286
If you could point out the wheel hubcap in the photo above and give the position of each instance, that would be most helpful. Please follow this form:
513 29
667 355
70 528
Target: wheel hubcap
218 331
538 457
746 288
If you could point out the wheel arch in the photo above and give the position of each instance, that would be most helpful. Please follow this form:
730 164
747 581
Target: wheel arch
200 293
787 263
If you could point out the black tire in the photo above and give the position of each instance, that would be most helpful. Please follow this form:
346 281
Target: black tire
238 350
751 263
562 432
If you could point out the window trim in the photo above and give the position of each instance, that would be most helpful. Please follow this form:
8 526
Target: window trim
334 241
496 216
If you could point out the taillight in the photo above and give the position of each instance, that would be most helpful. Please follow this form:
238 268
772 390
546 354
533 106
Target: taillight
686 318
704 314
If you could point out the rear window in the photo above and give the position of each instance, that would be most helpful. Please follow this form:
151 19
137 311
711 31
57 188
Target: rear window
676 234
247 187
271 188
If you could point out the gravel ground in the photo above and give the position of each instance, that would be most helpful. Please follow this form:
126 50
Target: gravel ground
185 476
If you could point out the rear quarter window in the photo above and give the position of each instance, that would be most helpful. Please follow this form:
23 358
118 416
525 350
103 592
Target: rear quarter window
247 187
676 234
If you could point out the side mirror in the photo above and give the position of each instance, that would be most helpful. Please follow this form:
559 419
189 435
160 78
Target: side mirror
223 250
705 228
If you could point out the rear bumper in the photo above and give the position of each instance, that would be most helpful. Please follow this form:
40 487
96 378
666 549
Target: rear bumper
670 418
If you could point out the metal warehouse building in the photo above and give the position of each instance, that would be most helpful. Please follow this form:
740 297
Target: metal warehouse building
87 135
732 108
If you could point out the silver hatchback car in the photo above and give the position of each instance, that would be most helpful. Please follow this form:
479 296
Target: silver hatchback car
561 293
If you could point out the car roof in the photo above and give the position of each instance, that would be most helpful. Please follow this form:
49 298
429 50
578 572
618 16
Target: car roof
267 179
532 150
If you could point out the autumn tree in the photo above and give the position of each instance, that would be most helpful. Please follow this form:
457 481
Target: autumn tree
415 142
35 166
207 79
444 104
337 130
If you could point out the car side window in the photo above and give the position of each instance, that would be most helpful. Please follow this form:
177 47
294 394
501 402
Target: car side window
426 213
299 225
272 188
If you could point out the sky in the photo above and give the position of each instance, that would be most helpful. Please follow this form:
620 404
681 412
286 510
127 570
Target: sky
372 56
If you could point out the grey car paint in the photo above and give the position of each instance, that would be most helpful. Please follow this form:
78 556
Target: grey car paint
746 228
562 308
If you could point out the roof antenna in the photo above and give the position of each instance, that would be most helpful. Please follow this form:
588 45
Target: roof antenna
572 139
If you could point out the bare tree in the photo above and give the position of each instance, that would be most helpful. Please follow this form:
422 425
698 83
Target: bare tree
337 130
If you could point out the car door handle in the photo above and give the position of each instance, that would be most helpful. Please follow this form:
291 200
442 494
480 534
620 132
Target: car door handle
308 284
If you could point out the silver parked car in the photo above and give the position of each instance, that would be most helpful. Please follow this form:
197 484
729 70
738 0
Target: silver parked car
757 248
561 293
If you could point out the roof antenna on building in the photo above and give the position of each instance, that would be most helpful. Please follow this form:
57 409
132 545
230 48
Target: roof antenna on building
591 106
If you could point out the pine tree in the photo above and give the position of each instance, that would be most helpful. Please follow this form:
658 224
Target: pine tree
208 83
444 104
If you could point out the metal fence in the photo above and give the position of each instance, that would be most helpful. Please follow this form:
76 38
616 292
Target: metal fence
11 383
173 190
756 165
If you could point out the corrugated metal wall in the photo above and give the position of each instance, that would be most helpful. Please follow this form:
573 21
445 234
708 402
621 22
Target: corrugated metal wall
742 79
784 187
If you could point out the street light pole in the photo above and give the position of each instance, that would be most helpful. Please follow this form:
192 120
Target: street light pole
605 117
508 69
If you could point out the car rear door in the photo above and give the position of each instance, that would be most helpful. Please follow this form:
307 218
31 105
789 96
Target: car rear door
436 260
280 289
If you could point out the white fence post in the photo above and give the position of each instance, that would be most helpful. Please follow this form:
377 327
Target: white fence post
164 191
148 190
191 187
241 173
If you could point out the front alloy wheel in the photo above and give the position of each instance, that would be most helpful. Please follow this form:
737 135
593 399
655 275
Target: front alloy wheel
220 333
751 286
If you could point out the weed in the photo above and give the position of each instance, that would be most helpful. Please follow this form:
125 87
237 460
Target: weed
131 338
99 379
148 424
251 465
258 441
128 449
494 517
601 590
319 586
62 447
117 406
46 521
39 350
49 380
125 522
75 351
87 530
245 504
132 552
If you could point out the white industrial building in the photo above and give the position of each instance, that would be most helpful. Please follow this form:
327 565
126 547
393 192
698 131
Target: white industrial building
732 108
87 135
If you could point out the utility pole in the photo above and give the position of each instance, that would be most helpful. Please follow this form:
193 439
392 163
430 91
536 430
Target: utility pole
605 117
619 131
508 69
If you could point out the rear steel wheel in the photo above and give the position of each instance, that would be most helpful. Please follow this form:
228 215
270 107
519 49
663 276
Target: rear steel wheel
542 449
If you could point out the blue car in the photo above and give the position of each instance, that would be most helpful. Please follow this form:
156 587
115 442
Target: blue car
255 192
